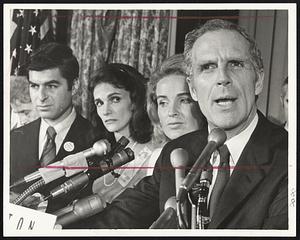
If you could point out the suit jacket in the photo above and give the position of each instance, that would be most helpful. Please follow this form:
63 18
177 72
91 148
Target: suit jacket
24 158
254 198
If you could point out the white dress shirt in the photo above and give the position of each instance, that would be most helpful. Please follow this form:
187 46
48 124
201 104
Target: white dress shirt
61 129
235 146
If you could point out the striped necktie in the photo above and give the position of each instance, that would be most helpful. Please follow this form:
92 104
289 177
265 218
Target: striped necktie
223 176
49 150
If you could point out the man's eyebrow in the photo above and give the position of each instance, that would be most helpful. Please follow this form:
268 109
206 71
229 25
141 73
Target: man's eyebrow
45 83
161 96
52 82
183 94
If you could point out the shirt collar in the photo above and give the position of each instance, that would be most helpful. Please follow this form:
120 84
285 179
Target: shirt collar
237 143
65 123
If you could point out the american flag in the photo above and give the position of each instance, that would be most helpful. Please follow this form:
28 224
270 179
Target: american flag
29 29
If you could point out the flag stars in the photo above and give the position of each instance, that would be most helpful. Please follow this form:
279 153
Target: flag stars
21 13
28 48
36 12
32 30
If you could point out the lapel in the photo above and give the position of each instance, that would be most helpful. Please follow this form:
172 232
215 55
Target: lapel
33 141
246 176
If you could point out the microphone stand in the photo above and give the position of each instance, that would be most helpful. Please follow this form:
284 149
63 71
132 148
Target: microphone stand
202 212
198 197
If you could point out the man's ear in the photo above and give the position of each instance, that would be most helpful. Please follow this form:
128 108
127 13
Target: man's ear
75 86
192 89
259 84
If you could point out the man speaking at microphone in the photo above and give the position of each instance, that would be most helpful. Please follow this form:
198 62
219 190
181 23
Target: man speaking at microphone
249 184
60 131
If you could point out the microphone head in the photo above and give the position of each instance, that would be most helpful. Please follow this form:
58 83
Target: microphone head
101 146
89 206
171 203
123 141
218 136
206 175
179 158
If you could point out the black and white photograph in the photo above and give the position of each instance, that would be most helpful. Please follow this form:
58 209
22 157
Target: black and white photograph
139 119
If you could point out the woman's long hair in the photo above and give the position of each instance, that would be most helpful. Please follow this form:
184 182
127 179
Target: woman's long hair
128 78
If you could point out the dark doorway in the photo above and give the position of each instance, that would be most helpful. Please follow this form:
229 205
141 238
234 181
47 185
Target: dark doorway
187 20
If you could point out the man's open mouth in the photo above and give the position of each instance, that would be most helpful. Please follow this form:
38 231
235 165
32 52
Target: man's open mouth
225 101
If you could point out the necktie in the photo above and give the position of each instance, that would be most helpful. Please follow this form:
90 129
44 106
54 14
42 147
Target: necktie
49 150
221 180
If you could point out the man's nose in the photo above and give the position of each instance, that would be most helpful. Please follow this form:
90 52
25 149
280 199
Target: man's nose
43 94
223 77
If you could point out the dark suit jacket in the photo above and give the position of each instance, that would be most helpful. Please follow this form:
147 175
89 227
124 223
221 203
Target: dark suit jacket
24 157
255 196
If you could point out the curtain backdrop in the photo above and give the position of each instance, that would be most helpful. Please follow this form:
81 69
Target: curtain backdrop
135 37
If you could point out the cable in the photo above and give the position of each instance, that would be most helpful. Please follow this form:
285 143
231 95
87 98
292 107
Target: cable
182 223
30 190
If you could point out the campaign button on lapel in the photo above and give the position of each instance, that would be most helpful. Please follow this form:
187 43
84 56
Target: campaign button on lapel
69 146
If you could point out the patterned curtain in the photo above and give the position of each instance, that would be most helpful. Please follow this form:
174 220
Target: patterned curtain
135 37
142 39
89 37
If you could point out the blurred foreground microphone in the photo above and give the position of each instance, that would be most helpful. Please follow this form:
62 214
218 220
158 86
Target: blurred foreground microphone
179 159
69 166
79 181
168 219
216 138
81 209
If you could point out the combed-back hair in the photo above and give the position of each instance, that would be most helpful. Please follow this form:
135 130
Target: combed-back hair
215 25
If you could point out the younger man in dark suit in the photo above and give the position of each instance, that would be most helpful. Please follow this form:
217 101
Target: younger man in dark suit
60 131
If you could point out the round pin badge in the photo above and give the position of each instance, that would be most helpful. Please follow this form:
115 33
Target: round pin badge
69 146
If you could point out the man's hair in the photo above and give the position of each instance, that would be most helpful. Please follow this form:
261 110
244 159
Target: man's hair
215 25
128 78
55 55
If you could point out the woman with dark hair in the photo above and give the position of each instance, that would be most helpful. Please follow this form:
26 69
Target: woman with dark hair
119 93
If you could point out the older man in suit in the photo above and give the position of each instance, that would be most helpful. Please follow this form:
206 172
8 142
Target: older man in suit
225 77
59 131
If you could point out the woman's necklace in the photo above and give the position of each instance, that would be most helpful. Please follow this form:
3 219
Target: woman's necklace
115 178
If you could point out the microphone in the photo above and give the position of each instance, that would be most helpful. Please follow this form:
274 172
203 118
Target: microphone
179 159
168 219
79 181
119 145
201 191
216 138
81 209
69 166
